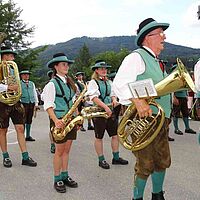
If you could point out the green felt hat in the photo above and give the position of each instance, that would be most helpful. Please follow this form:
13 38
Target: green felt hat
49 73
100 64
147 26
60 57
25 72
78 73
7 50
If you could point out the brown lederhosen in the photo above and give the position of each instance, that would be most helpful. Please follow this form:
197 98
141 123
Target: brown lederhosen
29 110
70 136
110 125
156 156
182 107
15 112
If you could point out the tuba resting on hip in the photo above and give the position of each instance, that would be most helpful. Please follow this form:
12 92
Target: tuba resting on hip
59 134
9 74
135 133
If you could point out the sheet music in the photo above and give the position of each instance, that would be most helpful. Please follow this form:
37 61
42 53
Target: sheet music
143 88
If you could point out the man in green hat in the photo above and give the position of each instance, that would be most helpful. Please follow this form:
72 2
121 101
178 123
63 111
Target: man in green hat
29 100
16 113
143 63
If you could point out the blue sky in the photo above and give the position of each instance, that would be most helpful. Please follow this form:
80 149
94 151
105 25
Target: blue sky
62 20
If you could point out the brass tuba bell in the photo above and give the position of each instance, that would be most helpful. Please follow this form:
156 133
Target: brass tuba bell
9 74
135 133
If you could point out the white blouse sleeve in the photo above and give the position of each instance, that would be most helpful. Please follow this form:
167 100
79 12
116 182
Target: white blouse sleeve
131 67
48 96
92 90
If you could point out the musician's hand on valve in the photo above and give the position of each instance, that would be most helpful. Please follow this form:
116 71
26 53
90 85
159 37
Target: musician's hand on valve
13 87
143 108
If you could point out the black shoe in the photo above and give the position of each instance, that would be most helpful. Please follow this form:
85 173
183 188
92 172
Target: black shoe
70 183
103 164
29 162
30 139
7 162
170 139
158 196
178 132
60 187
190 131
90 128
120 161
82 129
138 199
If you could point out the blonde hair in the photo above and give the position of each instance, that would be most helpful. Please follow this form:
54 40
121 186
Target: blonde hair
95 76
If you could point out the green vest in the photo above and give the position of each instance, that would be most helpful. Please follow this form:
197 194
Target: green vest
198 94
182 93
105 90
27 92
63 99
153 70
80 86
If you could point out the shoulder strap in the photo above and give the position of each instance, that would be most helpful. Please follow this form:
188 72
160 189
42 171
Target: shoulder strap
62 91
107 94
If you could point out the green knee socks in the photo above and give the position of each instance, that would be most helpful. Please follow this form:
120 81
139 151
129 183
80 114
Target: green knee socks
157 181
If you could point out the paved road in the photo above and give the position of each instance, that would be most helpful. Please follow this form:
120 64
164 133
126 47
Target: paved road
25 183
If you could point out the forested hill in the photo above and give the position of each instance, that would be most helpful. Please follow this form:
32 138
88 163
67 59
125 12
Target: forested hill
115 43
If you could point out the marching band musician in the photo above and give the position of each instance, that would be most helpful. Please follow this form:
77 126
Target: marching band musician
29 100
58 97
100 92
80 86
50 74
16 113
142 64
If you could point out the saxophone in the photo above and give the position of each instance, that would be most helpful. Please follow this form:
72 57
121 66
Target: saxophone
59 134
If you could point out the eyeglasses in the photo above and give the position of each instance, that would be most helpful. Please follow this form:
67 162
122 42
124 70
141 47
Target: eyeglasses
162 34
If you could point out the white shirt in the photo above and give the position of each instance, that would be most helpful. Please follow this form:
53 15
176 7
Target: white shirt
3 87
132 66
93 89
197 75
49 94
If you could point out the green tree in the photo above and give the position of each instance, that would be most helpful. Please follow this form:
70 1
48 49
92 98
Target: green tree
17 37
83 61
16 30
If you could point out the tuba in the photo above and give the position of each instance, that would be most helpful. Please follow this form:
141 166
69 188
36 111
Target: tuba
135 133
59 134
9 74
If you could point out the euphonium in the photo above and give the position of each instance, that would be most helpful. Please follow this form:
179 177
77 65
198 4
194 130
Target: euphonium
9 74
135 133
59 134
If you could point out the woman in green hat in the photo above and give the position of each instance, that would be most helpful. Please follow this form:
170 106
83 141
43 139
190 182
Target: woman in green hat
100 92
58 97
